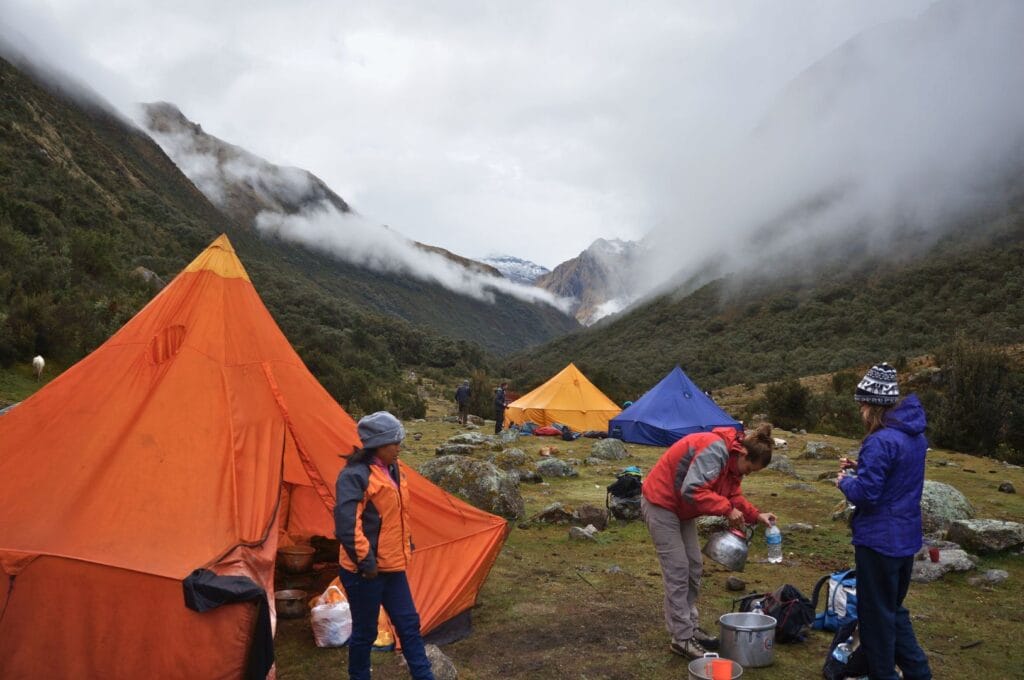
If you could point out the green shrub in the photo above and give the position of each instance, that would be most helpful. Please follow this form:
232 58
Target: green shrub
788 404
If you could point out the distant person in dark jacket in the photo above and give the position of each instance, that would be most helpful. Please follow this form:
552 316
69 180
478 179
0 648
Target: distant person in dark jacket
462 395
371 522
886 490
499 407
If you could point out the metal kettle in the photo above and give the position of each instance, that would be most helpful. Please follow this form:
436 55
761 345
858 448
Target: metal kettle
729 548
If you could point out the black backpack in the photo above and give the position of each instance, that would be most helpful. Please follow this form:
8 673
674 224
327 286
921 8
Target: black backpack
793 614
627 484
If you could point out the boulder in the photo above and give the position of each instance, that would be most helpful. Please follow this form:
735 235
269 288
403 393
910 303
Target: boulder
781 463
553 514
991 577
801 486
480 483
950 559
471 438
735 584
508 437
476 420
941 504
528 476
819 451
797 527
609 449
509 459
591 514
454 450
594 461
588 533
1007 487
986 535
554 467
440 664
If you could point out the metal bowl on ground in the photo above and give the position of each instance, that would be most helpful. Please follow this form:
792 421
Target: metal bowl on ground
728 548
296 559
290 604
747 638
699 669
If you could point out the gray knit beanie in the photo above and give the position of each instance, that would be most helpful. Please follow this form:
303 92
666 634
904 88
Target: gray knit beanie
878 386
380 429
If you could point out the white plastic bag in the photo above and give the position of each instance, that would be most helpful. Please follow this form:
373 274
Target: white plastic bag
331 621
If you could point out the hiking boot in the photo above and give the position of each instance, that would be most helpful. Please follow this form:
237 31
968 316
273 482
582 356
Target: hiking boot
691 649
706 639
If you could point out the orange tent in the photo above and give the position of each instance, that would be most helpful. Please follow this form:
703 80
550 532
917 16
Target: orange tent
567 398
193 438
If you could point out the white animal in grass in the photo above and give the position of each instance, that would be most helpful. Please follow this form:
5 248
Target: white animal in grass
37 365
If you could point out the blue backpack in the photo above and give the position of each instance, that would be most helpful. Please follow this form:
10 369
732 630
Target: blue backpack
840 601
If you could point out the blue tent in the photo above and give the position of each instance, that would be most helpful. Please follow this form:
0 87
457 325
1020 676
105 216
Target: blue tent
673 408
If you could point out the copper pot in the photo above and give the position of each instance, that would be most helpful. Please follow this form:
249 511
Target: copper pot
296 559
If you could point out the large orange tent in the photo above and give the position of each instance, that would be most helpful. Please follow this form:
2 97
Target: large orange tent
567 398
193 438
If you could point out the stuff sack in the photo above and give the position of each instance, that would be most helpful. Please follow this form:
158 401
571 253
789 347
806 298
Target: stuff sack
331 619
856 664
840 602
792 612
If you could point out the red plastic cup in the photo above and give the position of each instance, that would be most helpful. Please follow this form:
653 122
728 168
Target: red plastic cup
933 554
719 669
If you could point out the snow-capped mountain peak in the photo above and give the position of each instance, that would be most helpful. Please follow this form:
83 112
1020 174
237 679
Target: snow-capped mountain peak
516 269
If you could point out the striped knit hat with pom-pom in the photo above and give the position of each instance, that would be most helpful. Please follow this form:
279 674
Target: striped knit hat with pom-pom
878 386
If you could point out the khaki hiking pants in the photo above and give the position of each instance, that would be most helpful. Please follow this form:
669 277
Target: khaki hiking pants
678 548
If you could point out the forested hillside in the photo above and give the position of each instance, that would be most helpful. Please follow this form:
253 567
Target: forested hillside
86 200
842 314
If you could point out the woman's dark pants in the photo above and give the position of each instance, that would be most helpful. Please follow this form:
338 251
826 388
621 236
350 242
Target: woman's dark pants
365 597
885 629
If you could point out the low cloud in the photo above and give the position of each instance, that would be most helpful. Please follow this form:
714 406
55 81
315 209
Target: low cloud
294 205
909 128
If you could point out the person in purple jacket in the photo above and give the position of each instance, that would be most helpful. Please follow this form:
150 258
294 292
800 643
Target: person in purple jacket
886 490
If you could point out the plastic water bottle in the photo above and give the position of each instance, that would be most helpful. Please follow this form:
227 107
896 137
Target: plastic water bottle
758 607
773 537
843 650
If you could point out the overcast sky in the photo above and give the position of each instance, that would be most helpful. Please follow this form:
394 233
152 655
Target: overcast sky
520 127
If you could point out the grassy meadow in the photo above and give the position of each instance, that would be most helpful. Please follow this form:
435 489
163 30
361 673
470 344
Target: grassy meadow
556 608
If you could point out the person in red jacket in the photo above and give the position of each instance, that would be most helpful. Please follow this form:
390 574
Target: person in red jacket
698 475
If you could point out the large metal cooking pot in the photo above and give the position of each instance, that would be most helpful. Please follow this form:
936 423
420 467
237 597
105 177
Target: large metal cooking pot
290 604
698 668
747 638
729 548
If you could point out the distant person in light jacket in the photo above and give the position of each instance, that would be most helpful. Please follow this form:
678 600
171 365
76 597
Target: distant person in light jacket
371 521
499 407
462 395
886 491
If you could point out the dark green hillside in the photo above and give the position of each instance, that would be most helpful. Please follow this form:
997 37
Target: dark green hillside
971 282
86 199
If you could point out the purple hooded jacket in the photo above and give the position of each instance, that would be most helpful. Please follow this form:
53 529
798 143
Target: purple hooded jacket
887 488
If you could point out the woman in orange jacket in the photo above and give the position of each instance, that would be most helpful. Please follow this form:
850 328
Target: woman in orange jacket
371 520
698 475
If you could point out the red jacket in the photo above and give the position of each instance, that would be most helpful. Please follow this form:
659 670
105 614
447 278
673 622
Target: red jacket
698 476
